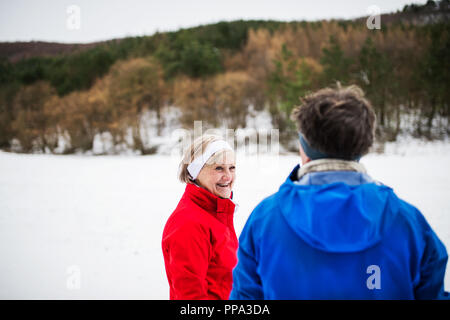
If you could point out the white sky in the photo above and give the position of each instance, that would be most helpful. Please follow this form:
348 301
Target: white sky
48 20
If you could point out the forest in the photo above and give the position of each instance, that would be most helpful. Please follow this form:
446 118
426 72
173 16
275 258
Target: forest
218 72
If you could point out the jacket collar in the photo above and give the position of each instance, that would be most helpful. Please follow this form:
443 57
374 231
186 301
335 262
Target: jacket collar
332 175
322 165
222 209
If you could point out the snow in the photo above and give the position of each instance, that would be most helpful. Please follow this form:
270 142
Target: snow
89 227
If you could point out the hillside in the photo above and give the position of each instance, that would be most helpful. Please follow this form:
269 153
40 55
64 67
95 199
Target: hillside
411 14
16 51
62 97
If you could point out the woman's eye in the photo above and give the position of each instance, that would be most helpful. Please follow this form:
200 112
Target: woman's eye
219 168
232 168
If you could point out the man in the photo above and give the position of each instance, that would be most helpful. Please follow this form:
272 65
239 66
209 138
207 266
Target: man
331 231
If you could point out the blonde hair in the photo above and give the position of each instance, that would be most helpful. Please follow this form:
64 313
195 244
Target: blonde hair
195 150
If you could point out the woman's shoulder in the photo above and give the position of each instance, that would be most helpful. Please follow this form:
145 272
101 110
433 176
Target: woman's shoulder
187 211
189 216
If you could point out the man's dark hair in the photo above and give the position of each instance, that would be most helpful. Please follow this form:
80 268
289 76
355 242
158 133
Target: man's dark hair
338 122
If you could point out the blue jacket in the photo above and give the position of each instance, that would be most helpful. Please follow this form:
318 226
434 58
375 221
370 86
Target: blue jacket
338 235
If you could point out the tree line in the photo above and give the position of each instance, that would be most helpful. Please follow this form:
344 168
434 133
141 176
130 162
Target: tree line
215 72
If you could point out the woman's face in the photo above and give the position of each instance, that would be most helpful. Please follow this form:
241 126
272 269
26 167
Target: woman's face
218 178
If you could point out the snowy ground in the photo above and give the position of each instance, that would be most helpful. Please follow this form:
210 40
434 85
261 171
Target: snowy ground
75 227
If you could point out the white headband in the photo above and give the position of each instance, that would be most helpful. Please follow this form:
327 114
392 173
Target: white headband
195 166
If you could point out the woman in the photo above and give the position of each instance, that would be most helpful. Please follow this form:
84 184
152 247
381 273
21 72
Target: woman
199 242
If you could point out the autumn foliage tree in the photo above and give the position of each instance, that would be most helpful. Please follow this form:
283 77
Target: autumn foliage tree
135 87
30 122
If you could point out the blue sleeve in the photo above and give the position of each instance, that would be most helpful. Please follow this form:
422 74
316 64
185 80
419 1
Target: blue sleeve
246 281
432 269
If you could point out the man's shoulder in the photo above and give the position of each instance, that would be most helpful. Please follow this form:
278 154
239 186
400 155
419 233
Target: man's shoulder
410 212
405 213
265 208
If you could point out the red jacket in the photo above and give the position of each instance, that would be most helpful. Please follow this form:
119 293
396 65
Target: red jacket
199 246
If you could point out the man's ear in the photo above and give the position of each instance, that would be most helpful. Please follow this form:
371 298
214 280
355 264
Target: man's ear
303 156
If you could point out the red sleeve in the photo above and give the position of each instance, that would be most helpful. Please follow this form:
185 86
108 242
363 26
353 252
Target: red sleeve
186 255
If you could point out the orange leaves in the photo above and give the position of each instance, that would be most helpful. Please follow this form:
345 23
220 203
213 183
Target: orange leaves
196 99
218 100
31 122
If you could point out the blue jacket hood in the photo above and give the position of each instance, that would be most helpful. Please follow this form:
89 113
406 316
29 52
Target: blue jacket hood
335 216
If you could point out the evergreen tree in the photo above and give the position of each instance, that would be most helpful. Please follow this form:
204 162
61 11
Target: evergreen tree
375 78
336 66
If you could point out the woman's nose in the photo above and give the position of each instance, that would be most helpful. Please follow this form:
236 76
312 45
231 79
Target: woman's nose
227 174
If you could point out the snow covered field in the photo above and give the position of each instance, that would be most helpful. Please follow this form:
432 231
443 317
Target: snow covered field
76 227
